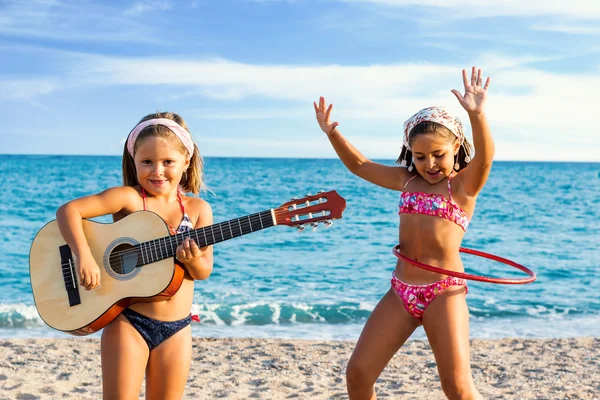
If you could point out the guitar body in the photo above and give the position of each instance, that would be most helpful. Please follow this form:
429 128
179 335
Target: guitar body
122 283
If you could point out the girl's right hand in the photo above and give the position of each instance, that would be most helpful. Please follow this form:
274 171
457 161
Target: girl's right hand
323 114
89 272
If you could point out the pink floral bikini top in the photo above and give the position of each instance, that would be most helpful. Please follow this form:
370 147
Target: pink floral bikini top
434 205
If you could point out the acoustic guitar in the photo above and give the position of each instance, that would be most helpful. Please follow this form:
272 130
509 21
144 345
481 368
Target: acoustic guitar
137 261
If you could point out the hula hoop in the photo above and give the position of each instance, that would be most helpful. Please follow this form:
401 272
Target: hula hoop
481 278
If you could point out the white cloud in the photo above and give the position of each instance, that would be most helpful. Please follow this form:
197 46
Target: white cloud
500 61
26 90
223 79
583 9
141 7
247 114
69 21
527 106
572 29
316 147
274 1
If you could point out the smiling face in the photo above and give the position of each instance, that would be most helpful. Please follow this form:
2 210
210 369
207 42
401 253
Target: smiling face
433 156
159 164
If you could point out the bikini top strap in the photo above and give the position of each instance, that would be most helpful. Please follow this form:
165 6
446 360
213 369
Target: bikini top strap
408 181
144 198
450 188
178 198
180 202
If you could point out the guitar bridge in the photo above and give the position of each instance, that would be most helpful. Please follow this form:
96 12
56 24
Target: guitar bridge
70 277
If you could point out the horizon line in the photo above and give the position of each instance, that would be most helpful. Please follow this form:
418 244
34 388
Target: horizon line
288 158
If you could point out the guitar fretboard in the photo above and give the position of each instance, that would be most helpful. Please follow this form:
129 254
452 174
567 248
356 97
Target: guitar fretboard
159 249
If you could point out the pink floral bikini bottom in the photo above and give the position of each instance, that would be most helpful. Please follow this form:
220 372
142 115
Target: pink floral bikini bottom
416 298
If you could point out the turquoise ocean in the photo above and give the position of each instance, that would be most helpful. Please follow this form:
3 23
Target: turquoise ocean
279 282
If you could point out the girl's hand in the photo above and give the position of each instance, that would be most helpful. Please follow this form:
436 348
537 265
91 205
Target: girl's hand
473 100
188 251
323 117
89 272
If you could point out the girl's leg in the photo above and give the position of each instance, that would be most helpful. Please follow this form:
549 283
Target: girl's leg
385 332
169 366
446 323
124 355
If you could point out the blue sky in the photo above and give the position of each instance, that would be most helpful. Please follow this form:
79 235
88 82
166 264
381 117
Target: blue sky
76 76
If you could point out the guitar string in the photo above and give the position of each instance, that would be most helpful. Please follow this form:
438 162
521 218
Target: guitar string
241 224
155 244
246 222
237 228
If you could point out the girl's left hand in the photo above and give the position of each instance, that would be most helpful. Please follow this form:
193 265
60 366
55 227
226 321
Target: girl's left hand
323 114
188 251
473 100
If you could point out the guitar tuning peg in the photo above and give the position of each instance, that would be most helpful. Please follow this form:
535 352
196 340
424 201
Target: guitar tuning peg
293 199
328 223
315 225
300 228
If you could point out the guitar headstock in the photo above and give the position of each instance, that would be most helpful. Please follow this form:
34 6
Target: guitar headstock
311 209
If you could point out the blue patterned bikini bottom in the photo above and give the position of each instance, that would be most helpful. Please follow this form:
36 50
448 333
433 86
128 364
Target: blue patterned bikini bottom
154 331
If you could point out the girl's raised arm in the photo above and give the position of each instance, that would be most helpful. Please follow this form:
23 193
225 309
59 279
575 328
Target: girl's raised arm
382 175
474 176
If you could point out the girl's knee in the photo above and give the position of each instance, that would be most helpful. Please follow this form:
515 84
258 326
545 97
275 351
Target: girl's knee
460 388
358 382
357 375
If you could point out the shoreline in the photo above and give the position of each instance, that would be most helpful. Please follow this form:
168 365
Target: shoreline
242 368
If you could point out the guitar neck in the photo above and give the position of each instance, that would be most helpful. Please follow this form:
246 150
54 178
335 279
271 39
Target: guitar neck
159 249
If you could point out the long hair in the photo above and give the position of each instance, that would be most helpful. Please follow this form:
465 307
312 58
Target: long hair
192 179
427 127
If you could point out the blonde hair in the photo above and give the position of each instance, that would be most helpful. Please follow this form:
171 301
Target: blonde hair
192 179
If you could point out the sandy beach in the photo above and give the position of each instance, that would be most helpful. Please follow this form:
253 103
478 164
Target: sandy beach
299 369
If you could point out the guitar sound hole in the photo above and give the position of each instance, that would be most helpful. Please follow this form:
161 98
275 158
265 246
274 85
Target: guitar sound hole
123 259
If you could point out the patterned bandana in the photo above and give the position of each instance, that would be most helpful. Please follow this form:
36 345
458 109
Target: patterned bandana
434 114
177 129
